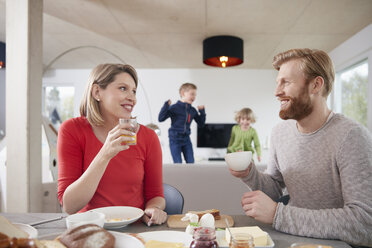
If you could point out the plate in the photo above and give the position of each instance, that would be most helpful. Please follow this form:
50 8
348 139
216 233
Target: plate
168 236
123 240
124 215
32 232
222 243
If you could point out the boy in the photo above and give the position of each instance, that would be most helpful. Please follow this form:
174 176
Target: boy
181 114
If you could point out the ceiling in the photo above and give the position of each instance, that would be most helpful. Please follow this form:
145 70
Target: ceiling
169 33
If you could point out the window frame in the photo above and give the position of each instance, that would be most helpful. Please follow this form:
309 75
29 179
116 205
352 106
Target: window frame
366 56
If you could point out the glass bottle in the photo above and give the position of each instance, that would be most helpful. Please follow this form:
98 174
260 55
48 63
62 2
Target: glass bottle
204 237
242 240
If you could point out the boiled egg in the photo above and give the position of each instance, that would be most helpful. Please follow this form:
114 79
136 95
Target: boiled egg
207 220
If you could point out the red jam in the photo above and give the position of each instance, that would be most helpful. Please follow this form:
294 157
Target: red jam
204 237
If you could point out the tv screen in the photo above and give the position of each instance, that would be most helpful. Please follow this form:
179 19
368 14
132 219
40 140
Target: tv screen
214 135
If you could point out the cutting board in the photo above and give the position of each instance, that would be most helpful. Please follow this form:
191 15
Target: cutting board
174 221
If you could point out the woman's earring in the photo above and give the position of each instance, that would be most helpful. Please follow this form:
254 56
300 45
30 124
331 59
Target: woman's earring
98 100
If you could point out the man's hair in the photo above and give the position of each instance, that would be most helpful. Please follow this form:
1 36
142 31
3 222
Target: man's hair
245 113
314 63
102 75
186 87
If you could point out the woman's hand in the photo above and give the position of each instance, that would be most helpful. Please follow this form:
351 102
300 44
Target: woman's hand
116 140
154 215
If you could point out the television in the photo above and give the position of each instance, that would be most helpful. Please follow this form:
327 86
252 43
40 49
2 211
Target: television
214 135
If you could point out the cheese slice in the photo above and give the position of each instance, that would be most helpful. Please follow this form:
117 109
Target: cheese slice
161 244
259 236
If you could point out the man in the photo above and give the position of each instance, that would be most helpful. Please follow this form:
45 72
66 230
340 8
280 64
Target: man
323 159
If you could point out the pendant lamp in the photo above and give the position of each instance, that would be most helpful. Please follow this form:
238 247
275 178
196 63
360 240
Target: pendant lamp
223 51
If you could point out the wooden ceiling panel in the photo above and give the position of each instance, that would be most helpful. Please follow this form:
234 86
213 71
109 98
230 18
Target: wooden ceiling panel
169 33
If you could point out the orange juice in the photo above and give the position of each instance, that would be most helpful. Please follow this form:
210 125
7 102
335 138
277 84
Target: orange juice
133 123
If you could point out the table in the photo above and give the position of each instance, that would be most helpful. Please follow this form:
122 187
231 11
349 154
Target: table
53 229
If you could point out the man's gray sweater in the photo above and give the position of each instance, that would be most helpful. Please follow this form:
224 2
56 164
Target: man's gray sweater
328 175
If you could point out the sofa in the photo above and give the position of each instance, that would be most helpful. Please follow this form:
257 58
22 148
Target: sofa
204 185
207 185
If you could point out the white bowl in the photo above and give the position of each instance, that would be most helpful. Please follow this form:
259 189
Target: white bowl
89 217
238 161
120 216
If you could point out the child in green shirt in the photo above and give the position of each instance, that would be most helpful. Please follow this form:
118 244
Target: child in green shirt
243 134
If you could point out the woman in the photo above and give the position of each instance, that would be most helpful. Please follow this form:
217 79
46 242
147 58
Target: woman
96 167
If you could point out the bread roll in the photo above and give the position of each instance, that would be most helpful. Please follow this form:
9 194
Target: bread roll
8 242
52 244
87 236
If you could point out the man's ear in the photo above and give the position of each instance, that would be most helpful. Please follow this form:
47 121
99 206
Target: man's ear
317 85
96 92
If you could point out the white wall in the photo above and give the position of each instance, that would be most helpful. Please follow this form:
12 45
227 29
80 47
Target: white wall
222 91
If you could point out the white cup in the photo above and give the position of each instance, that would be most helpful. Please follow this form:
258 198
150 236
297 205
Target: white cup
238 161
89 217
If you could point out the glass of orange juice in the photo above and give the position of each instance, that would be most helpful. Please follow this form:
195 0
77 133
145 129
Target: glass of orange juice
133 129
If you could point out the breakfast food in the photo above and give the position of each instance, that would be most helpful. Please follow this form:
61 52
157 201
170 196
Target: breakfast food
214 212
114 220
88 236
207 220
161 244
11 230
11 242
52 244
259 237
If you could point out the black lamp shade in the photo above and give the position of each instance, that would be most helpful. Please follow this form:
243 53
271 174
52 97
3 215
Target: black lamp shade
223 51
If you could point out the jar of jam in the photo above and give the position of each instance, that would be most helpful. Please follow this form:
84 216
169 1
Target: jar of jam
242 240
204 237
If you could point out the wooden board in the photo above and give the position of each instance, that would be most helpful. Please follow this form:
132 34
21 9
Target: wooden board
174 221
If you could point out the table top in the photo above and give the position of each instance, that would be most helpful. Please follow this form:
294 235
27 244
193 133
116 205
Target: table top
281 240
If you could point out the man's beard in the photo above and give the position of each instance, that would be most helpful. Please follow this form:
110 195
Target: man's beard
299 107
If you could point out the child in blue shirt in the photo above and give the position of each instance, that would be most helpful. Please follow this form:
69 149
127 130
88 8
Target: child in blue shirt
181 114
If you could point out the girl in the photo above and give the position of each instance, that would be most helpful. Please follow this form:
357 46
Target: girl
243 134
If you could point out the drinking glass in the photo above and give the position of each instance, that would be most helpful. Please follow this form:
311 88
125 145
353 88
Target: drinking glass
241 240
132 128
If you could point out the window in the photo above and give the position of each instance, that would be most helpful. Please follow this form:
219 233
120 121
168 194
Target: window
59 103
351 92
58 106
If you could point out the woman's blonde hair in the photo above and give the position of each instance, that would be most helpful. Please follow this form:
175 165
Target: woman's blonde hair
245 113
314 63
102 75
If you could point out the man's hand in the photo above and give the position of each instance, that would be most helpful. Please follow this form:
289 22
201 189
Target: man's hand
259 206
169 102
241 174
200 107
